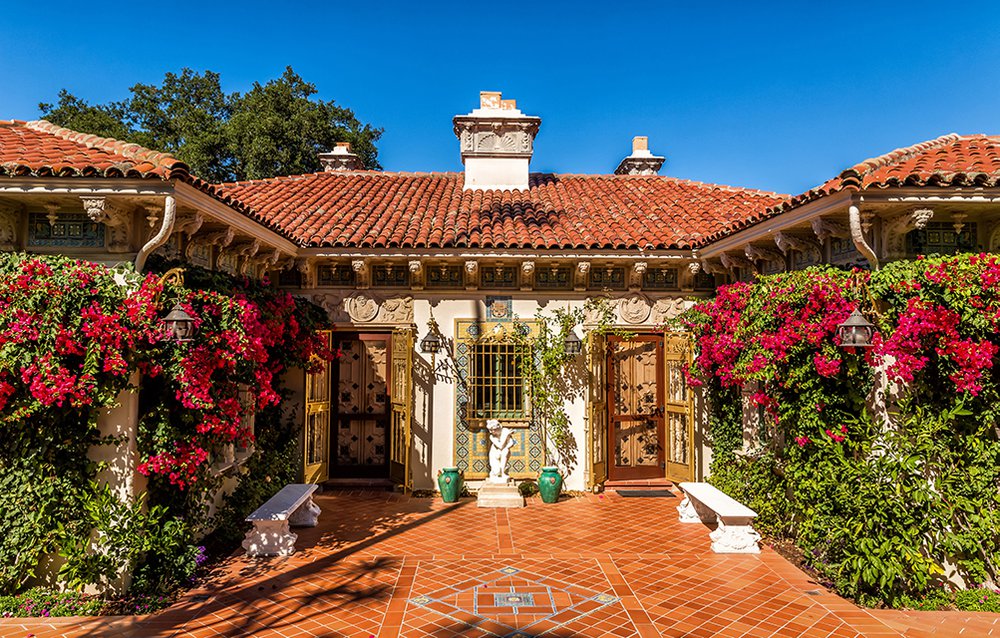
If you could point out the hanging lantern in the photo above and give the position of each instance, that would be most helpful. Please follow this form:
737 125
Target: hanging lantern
856 332
180 324
572 343
431 343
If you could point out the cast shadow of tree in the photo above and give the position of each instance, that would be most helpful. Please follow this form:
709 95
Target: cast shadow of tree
342 576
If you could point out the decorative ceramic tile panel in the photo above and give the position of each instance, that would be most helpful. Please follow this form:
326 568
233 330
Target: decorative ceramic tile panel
340 275
660 279
607 278
471 439
557 278
71 230
498 277
444 277
390 276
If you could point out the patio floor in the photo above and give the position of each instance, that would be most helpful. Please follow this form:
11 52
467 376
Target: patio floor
386 565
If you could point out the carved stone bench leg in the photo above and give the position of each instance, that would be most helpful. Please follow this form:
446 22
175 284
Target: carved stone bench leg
691 511
269 538
735 536
307 515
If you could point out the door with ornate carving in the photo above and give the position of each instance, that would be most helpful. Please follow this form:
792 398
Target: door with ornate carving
679 402
597 408
316 434
362 412
402 391
635 411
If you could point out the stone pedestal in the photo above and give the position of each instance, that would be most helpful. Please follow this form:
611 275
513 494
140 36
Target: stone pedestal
499 495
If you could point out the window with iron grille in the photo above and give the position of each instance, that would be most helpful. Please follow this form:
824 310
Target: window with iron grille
497 385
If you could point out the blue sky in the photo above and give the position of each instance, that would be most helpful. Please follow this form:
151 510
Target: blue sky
778 97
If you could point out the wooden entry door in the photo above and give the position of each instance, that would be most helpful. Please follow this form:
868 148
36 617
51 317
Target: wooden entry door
316 434
635 408
362 406
679 440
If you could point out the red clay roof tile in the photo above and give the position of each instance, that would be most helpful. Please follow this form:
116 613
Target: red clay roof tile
949 160
431 210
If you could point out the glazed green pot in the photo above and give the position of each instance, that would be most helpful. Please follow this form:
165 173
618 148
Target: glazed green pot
450 483
550 483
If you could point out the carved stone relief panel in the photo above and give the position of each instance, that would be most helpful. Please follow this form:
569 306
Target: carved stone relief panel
634 309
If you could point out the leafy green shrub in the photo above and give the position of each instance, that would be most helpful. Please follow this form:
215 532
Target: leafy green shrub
878 501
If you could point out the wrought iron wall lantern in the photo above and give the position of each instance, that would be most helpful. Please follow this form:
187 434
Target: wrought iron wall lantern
573 344
856 331
431 343
178 322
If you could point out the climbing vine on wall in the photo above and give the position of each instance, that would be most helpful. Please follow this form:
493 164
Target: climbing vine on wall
881 464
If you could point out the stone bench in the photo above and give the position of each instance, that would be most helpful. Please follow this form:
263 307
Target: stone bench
270 535
703 503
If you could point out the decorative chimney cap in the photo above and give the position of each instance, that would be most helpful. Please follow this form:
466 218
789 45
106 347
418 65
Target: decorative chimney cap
340 159
496 140
641 161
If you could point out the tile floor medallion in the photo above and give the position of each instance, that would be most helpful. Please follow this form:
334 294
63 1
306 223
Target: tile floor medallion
513 603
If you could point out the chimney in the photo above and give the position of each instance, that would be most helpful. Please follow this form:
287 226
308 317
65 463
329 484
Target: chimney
340 159
641 161
496 141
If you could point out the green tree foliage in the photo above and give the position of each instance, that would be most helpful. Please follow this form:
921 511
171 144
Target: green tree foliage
277 128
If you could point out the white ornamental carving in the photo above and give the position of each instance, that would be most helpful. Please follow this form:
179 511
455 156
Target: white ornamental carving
397 310
361 308
634 309
329 302
118 224
8 229
94 207
668 308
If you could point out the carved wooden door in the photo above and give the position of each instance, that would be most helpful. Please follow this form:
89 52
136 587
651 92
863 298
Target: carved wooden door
679 438
362 412
402 402
316 433
597 408
635 411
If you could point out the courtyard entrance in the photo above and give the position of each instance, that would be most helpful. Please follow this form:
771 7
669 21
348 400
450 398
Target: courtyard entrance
641 409
358 412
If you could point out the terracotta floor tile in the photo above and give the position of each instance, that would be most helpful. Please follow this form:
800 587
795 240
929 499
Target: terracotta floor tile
387 565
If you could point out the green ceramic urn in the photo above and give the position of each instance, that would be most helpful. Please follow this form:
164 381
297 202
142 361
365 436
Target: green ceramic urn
550 483
450 483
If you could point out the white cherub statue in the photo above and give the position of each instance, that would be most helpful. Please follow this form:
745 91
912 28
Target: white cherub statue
500 443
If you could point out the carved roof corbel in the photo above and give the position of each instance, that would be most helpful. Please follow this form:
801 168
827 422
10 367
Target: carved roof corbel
714 267
360 267
189 223
895 228
9 217
731 261
471 272
582 273
416 268
787 242
220 238
756 253
527 275
826 228
635 275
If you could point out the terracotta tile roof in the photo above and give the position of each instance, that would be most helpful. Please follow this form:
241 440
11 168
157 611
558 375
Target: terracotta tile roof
431 210
949 160
43 149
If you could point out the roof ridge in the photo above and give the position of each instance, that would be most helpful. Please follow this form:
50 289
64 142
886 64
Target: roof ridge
854 173
130 150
